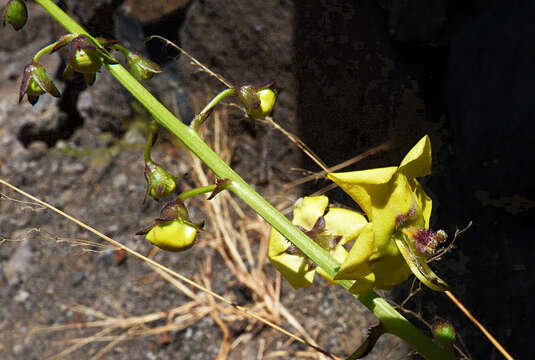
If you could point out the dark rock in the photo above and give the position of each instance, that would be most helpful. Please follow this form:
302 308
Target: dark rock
490 177
246 43
96 15
106 105
15 269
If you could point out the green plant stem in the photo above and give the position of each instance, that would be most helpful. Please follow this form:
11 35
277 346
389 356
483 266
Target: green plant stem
393 321
153 131
43 51
203 115
148 147
197 191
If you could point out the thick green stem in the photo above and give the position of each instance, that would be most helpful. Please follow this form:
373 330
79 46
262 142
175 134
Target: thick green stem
394 322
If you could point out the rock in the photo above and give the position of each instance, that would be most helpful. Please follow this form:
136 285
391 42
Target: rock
148 12
246 43
19 263
105 105
21 296
36 150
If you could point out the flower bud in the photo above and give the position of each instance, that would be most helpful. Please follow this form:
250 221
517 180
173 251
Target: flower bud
444 334
141 68
173 230
15 14
258 102
35 82
175 235
159 182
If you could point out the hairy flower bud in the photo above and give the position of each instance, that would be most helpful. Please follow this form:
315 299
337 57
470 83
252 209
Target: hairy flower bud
35 82
15 14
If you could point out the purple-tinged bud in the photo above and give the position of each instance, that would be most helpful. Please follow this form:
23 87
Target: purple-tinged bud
35 82
15 14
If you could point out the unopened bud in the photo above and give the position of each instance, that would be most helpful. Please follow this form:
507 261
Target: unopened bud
258 102
175 235
173 230
15 14
141 68
159 182
444 334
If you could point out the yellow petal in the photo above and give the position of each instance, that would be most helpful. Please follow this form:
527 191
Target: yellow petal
364 185
390 271
394 200
347 223
292 267
356 264
418 160
424 201
308 209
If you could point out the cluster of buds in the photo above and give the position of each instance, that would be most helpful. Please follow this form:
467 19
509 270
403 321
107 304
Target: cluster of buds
15 14
83 55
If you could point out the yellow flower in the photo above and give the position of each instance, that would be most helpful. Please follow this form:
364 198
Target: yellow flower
331 231
393 200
